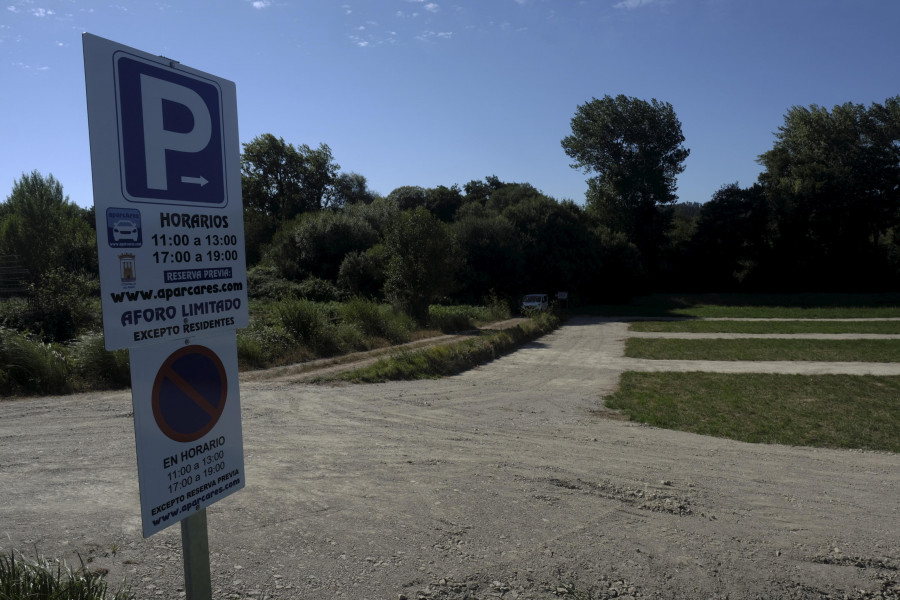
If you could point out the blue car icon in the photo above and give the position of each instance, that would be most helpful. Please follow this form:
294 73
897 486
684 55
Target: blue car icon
125 230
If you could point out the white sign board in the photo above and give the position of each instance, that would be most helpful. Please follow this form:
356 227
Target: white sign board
165 159
187 424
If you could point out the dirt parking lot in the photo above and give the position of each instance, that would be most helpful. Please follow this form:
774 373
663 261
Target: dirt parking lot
508 481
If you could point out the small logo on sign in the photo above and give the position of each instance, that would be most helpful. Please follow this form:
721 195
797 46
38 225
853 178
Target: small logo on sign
127 269
123 228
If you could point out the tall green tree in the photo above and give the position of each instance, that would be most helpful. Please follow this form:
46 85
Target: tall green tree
558 248
494 258
422 263
833 178
45 230
443 201
407 197
731 240
282 181
279 182
635 150
351 188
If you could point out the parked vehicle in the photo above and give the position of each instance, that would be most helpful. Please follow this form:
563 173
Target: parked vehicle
538 302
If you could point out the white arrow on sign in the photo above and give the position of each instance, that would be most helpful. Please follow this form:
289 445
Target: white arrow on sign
201 181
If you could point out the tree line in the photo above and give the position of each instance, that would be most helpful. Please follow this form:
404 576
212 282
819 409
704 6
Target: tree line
823 216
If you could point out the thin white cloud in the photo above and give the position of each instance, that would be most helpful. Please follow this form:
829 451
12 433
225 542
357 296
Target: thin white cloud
261 4
13 9
27 67
432 7
431 35
632 4
42 12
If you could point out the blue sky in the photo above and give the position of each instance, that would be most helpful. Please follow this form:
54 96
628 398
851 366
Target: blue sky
422 92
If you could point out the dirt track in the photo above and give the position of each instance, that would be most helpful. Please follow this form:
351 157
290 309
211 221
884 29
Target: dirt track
507 481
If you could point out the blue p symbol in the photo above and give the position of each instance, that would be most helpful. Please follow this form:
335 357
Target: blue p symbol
170 131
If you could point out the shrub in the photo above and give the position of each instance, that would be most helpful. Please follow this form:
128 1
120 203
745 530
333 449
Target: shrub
377 320
15 313
461 317
267 283
98 367
450 318
263 345
362 273
318 290
63 303
309 324
28 366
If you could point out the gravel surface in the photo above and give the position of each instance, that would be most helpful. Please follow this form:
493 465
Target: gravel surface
508 481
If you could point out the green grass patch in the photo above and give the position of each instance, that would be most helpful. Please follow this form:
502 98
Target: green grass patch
789 312
832 411
764 327
792 306
51 579
764 349
450 359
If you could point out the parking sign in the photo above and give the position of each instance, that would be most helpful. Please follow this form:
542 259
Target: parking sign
170 134
165 159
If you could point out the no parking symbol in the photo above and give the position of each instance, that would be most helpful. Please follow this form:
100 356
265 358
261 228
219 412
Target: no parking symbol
189 393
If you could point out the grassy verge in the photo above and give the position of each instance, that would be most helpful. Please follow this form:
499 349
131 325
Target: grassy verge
440 361
834 411
764 349
763 327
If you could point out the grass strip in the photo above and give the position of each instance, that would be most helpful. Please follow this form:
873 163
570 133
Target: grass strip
792 306
829 411
789 312
763 327
764 349
450 359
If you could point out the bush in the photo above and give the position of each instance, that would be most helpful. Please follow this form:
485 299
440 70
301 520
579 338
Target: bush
309 324
267 283
263 345
362 273
461 317
62 304
450 318
377 320
98 367
15 313
318 290
28 366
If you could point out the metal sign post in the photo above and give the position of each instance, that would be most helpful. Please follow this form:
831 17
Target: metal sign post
165 160
195 546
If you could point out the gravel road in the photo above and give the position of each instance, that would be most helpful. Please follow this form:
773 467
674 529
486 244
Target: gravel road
508 481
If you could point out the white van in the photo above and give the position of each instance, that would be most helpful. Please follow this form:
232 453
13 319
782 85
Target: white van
539 302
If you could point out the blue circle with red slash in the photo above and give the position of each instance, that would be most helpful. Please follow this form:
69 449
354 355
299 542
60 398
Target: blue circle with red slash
189 393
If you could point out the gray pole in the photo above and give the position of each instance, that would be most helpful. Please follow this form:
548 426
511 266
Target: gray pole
195 546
